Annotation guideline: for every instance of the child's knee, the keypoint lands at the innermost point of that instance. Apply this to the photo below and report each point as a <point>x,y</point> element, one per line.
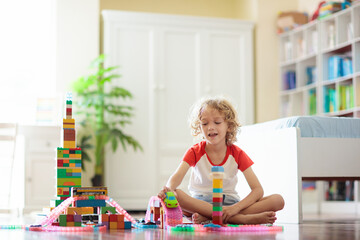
<point>278,202</point>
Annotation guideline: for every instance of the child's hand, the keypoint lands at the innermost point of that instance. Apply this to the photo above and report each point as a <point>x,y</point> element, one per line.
<point>228,212</point>
<point>161,194</point>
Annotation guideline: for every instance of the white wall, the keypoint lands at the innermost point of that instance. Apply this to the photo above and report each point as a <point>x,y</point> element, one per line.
<point>77,39</point>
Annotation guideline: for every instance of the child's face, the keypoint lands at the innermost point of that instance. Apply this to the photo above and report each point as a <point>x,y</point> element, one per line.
<point>213,126</point>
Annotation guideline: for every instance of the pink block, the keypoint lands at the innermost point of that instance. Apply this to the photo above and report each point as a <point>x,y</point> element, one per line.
<point>217,213</point>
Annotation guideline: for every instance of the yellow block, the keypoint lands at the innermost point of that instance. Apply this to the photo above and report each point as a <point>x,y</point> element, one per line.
<point>217,183</point>
<point>72,126</point>
<point>77,170</point>
<point>70,224</point>
<point>72,165</point>
<point>68,121</point>
<point>69,144</point>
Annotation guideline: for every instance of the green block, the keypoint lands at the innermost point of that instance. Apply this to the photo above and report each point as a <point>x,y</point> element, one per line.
<point>61,173</point>
<point>66,155</point>
<point>65,164</point>
<point>76,181</point>
<point>91,197</point>
<point>77,224</point>
<point>217,209</point>
<point>77,151</point>
<point>104,210</point>
<point>62,220</point>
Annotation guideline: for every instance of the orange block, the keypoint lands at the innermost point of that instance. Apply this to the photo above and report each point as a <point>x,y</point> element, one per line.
<point>121,225</point>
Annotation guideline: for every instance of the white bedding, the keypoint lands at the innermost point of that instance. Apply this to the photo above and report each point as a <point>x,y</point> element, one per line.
<point>313,126</point>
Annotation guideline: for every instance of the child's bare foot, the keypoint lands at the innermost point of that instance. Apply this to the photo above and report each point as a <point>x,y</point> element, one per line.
<point>198,219</point>
<point>260,218</point>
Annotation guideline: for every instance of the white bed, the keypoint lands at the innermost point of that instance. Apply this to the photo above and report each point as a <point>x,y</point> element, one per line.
<point>289,150</point>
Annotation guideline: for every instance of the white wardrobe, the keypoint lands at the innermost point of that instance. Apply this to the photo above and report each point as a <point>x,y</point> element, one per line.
<point>168,62</point>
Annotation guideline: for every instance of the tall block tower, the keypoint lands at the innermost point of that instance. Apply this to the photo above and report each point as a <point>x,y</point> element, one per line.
<point>217,173</point>
<point>68,156</point>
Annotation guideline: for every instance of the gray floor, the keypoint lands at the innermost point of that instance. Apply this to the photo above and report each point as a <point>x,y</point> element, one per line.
<point>315,227</point>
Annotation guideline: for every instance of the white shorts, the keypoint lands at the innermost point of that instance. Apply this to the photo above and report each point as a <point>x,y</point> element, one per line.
<point>227,199</point>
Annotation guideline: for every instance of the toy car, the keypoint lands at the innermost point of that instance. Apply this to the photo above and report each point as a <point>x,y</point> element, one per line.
<point>170,200</point>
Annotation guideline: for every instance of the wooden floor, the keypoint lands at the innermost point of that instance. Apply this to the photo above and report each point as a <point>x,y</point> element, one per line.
<point>320,228</point>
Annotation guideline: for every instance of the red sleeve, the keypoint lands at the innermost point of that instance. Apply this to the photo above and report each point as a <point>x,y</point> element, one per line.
<point>190,157</point>
<point>242,159</point>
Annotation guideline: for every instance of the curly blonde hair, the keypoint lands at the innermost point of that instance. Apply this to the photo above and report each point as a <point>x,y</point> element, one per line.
<point>224,107</point>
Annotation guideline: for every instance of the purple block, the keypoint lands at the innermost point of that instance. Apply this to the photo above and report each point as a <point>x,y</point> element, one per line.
<point>77,218</point>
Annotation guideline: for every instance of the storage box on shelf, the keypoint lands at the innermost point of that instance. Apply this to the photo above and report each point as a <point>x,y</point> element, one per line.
<point>320,75</point>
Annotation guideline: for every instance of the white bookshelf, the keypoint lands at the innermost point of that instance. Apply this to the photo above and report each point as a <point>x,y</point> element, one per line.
<point>312,45</point>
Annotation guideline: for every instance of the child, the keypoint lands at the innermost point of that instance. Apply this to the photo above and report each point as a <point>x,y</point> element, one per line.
<point>215,120</point>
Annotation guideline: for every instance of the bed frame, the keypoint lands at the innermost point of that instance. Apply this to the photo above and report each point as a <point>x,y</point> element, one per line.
<point>283,159</point>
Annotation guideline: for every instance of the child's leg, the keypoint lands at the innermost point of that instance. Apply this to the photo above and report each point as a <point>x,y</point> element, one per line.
<point>273,203</point>
<point>262,211</point>
<point>193,205</point>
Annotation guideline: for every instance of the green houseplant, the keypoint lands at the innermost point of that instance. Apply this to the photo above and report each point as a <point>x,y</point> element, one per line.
<point>99,101</point>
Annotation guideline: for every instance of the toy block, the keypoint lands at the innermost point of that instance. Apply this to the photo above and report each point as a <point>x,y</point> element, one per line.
<point>104,218</point>
<point>77,218</point>
<point>62,220</point>
<point>80,210</point>
<point>69,121</point>
<point>217,199</point>
<point>69,218</point>
<point>77,224</point>
<point>113,218</point>
<point>120,218</point>
<point>113,225</point>
<point>217,190</point>
<point>69,144</point>
<point>107,210</point>
<point>70,224</point>
<point>90,203</point>
<point>73,182</point>
<point>69,135</point>
<point>217,183</point>
<point>120,225</point>
<point>127,225</point>
<point>217,195</point>
<point>55,224</point>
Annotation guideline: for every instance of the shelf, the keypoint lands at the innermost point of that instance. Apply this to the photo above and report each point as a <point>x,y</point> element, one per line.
<point>322,52</point>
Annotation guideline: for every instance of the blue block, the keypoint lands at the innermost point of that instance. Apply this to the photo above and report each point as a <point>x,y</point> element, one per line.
<point>127,225</point>
<point>90,203</point>
<point>217,190</point>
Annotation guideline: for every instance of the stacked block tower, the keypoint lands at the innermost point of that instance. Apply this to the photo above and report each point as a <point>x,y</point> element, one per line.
<point>68,157</point>
<point>217,173</point>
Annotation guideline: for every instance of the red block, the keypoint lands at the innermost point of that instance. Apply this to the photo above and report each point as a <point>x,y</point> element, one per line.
<point>113,218</point>
<point>217,199</point>
<point>217,220</point>
<point>69,218</point>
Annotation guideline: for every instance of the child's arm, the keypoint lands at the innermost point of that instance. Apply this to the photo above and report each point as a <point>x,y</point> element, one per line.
<point>255,195</point>
<point>175,179</point>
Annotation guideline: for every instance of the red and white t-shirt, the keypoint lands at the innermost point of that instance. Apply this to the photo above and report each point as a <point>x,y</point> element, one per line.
<point>200,180</point>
